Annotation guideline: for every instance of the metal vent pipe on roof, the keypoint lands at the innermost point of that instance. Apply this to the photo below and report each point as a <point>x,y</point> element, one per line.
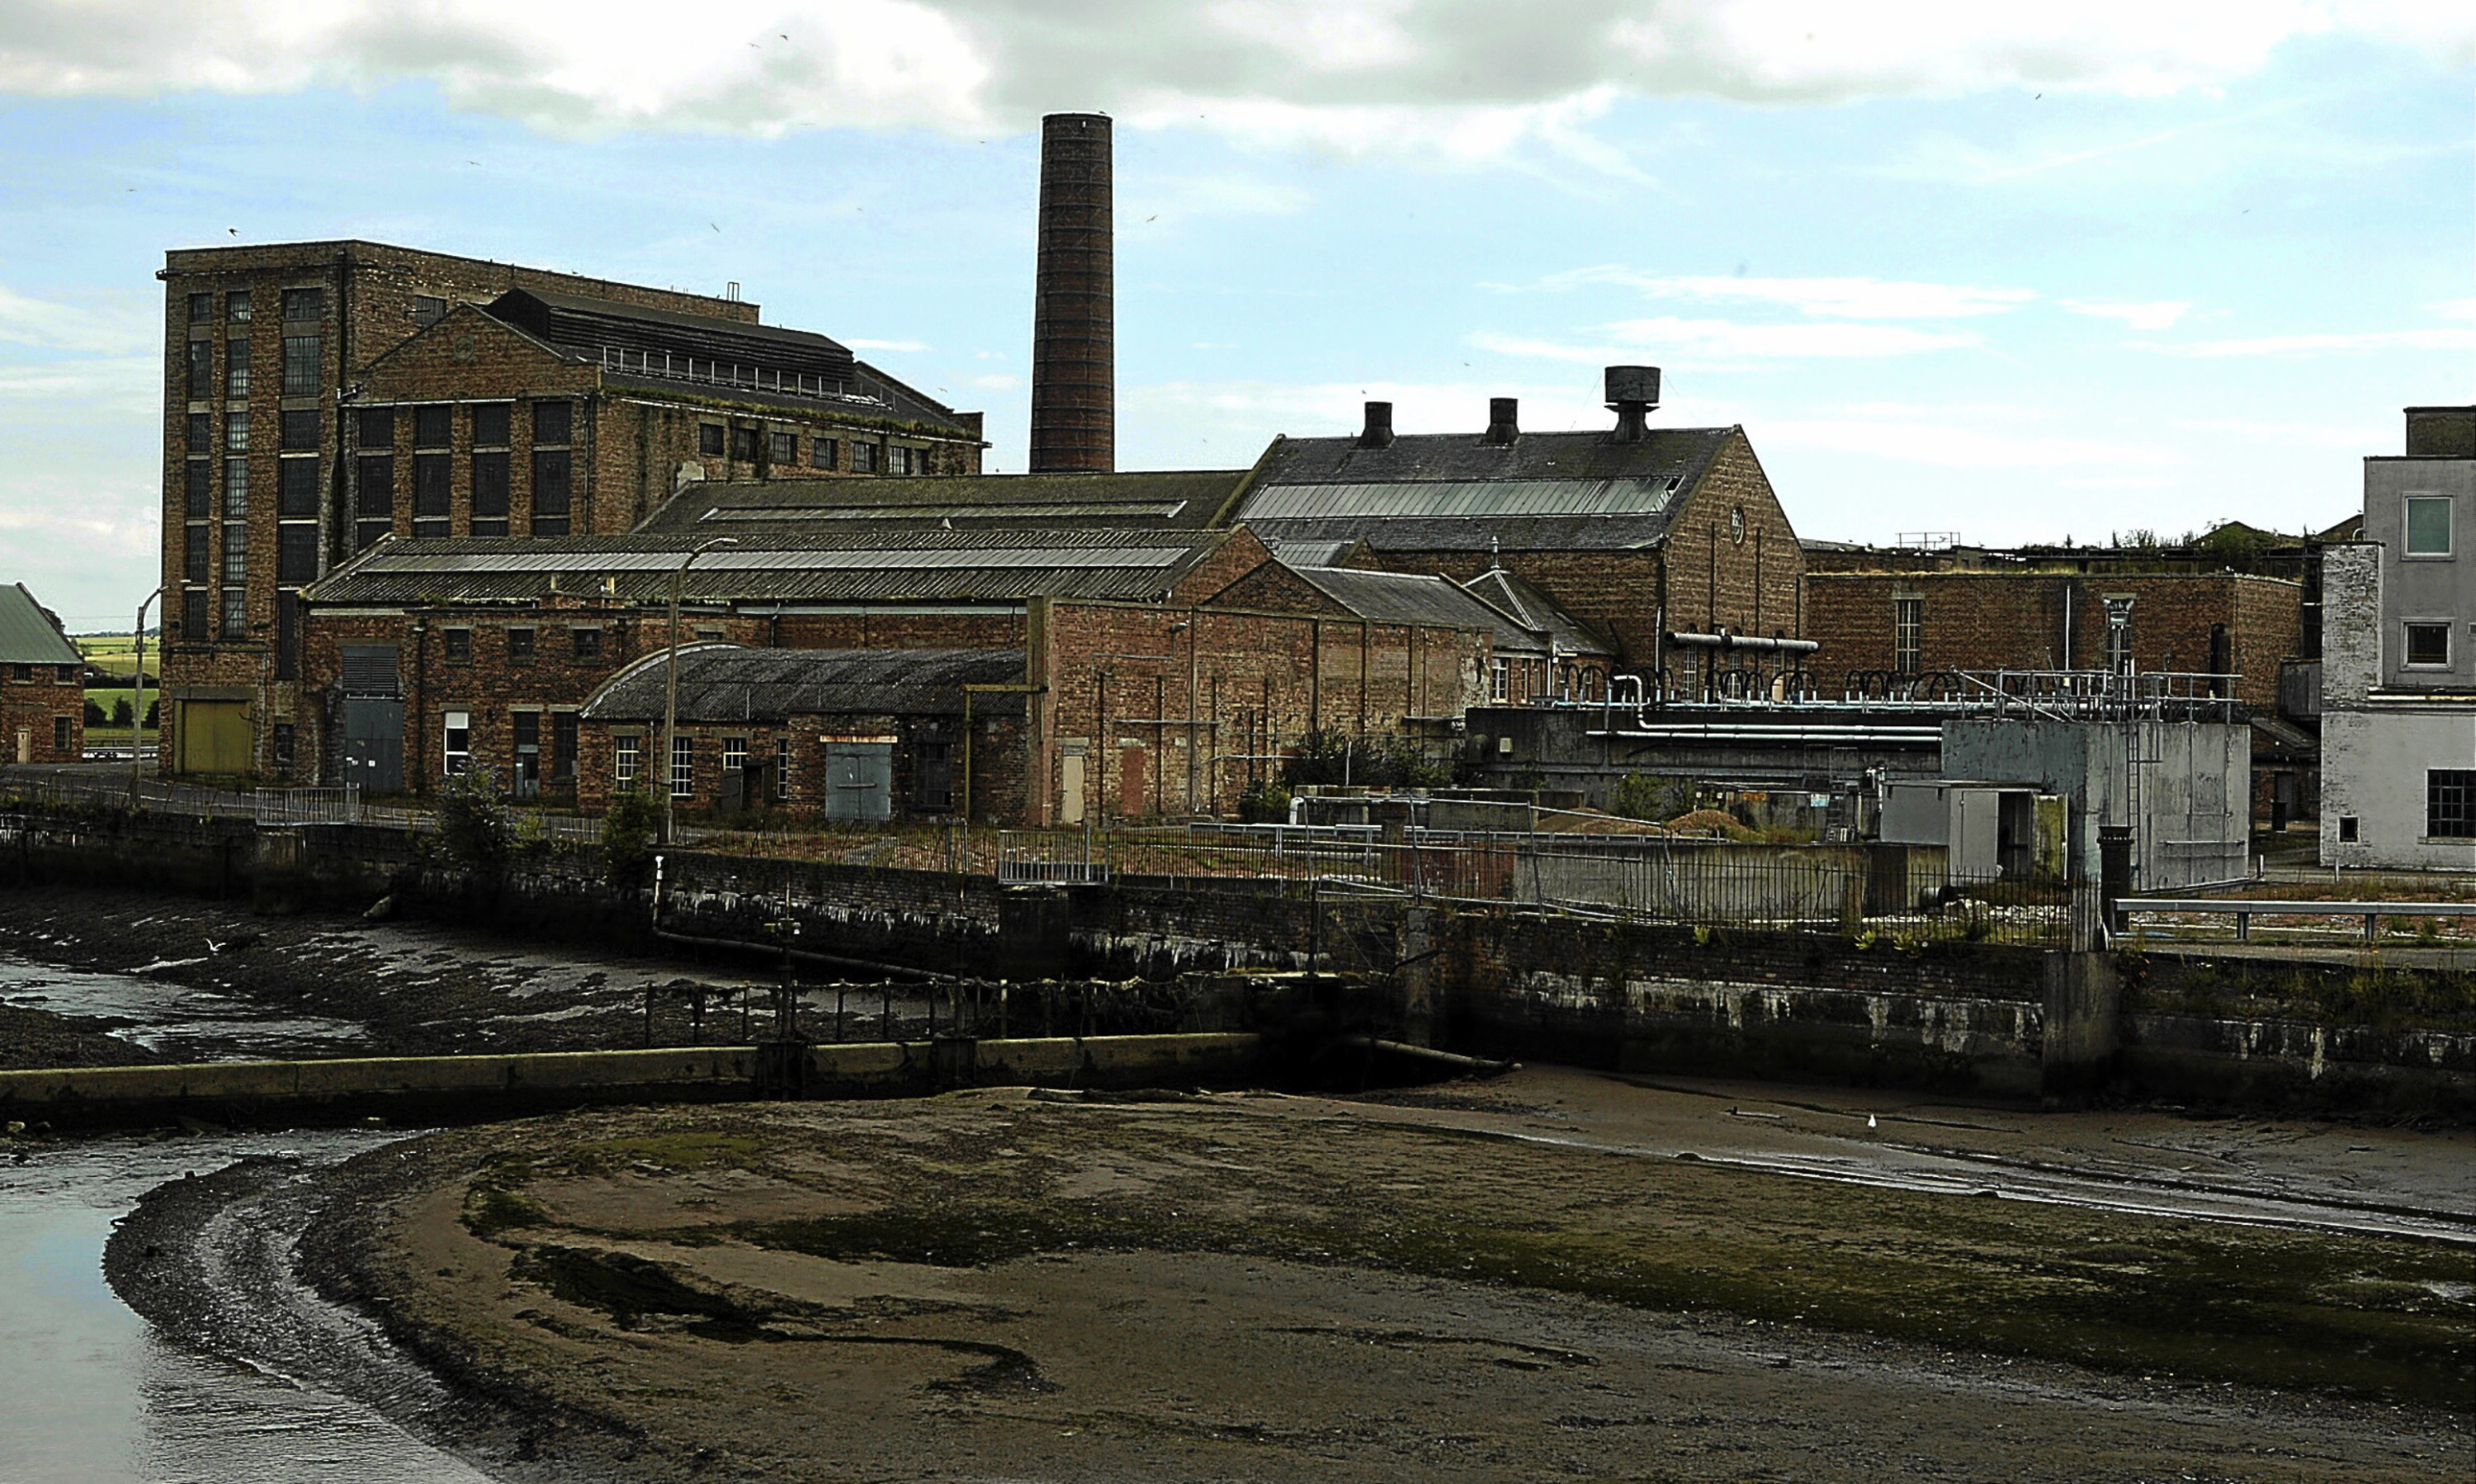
<point>1073,355</point>
<point>1632,391</point>
<point>1378,432</point>
<point>1503,419</point>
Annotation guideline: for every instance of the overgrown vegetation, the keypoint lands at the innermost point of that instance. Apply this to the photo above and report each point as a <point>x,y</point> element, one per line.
<point>629,829</point>
<point>1339,758</point>
<point>1649,796</point>
<point>474,827</point>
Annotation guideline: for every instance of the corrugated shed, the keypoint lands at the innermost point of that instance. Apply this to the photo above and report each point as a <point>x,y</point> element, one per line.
<point>721,683</point>
<point>1410,598</point>
<point>28,635</point>
<point>1465,458</point>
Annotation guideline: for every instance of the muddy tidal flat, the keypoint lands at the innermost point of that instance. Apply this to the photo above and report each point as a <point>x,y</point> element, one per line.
<point>1462,1283</point>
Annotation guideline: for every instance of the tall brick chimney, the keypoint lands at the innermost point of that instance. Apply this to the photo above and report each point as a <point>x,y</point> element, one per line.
<point>1074,336</point>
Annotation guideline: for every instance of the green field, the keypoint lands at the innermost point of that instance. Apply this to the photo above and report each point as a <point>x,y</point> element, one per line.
<point>115,654</point>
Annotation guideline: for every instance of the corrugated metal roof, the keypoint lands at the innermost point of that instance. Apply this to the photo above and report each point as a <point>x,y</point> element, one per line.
<point>1186,499</point>
<point>1412,598</point>
<point>1463,499</point>
<point>725,684</point>
<point>28,633</point>
<point>866,558</point>
<point>1471,533</point>
<point>1659,454</point>
<point>929,566</point>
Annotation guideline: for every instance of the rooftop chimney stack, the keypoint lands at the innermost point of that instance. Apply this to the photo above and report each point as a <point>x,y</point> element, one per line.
<point>1632,392</point>
<point>1073,355</point>
<point>1378,432</point>
<point>1503,419</point>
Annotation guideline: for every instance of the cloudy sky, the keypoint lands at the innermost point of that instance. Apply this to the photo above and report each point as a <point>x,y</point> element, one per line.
<point>2015,272</point>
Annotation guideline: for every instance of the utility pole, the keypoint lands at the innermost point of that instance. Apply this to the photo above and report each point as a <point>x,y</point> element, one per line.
<point>137,699</point>
<point>671,679</point>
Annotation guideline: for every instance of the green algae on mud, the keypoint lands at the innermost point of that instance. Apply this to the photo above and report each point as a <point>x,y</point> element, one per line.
<point>958,1183</point>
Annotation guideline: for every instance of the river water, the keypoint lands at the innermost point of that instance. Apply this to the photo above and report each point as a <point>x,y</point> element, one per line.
<point>89,1392</point>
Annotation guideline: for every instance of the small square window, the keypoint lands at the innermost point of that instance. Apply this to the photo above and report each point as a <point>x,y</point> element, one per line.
<point>553,421</point>
<point>373,429</point>
<point>236,305</point>
<point>2349,829</point>
<point>302,430</point>
<point>900,460</point>
<point>202,432</point>
<point>2427,526</point>
<point>492,421</point>
<point>823,451</point>
<point>305,303</point>
<point>460,646</point>
<point>433,427</point>
<point>586,643</point>
<point>2428,645</point>
<point>863,458</point>
<point>709,439</point>
<point>201,308</point>
<point>428,309</point>
<point>743,443</point>
<point>786,448</point>
<point>520,646</point>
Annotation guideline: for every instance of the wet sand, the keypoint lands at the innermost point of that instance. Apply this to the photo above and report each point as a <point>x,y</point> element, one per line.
<point>1506,1280</point>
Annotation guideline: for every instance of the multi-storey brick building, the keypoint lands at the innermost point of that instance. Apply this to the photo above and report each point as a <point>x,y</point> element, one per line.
<point>43,684</point>
<point>320,395</point>
<point>1637,532</point>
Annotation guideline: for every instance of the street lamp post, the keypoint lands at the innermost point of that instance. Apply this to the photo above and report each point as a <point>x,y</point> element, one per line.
<point>671,679</point>
<point>137,699</point>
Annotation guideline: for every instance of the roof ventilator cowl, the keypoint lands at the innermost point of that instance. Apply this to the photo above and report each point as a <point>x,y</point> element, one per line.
<point>1378,432</point>
<point>1632,391</point>
<point>1504,420</point>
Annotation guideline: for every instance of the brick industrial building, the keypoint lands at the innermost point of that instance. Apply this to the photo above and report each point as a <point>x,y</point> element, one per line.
<point>1638,532</point>
<point>1160,661</point>
<point>1894,615</point>
<point>321,395</point>
<point>43,684</point>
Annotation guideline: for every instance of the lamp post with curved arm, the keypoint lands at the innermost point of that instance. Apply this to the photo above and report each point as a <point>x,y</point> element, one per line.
<point>671,681</point>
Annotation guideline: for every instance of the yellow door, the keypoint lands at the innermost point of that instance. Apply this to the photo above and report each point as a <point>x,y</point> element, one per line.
<point>213,736</point>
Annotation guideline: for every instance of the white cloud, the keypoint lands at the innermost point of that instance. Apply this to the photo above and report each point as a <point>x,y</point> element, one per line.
<point>1961,437</point>
<point>1674,342</point>
<point>995,382</point>
<point>107,323</point>
<point>1441,80</point>
<point>2343,342</point>
<point>2154,315</point>
<point>859,344</point>
<point>1838,298</point>
<point>2455,309</point>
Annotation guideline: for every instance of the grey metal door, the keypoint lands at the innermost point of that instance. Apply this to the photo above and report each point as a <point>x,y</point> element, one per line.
<point>374,744</point>
<point>859,780</point>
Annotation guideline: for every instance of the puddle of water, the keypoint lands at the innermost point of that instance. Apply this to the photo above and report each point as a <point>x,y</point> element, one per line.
<point>95,1396</point>
<point>177,1019</point>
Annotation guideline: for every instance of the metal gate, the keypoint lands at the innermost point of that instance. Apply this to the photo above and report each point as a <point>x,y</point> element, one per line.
<point>859,780</point>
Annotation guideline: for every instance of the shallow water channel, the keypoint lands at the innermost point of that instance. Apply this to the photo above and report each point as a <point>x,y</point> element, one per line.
<point>88,1391</point>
